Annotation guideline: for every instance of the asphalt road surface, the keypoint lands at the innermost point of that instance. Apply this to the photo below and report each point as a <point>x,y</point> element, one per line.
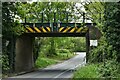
<point>57,71</point>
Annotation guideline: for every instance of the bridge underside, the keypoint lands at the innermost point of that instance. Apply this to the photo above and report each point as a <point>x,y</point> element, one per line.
<point>56,34</point>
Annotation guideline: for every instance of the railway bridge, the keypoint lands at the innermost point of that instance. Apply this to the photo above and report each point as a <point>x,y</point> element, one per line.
<point>24,44</point>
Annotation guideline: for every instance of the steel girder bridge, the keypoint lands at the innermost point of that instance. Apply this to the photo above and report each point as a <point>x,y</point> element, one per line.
<point>24,44</point>
<point>57,27</point>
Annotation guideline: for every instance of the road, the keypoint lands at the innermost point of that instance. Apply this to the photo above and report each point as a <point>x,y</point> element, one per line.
<point>60,70</point>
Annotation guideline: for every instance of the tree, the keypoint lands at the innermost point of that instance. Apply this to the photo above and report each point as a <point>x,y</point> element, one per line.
<point>32,11</point>
<point>109,46</point>
<point>10,30</point>
<point>112,26</point>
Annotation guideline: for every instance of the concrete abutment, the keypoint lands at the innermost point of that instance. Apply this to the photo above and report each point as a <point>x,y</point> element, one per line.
<point>24,53</point>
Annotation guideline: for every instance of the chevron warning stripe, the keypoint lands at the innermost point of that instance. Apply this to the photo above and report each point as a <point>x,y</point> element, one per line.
<point>79,29</point>
<point>73,29</point>
<point>66,29</point>
<point>61,29</point>
<point>84,30</point>
<point>29,29</point>
<point>48,28</point>
<point>37,29</point>
<point>44,30</point>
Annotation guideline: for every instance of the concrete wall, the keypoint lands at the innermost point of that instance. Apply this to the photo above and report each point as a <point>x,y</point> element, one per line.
<point>24,53</point>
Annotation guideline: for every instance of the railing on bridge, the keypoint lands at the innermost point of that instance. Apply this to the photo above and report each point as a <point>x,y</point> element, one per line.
<point>57,27</point>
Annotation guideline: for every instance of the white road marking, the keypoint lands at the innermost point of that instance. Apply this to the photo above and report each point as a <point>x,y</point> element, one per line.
<point>61,74</point>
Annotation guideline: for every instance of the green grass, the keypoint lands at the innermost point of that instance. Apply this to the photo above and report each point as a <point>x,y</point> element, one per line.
<point>44,61</point>
<point>88,71</point>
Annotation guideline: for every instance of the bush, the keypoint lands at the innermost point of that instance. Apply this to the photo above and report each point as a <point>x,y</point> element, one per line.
<point>96,54</point>
<point>88,71</point>
<point>5,63</point>
<point>109,69</point>
<point>63,51</point>
<point>44,62</point>
<point>102,51</point>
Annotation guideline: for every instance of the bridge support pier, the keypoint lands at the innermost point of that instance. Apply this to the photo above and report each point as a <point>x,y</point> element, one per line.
<point>87,45</point>
<point>24,53</point>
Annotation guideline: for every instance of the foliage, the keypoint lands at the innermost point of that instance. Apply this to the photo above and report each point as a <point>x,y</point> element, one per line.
<point>68,44</point>
<point>108,49</point>
<point>63,51</point>
<point>5,63</point>
<point>95,12</point>
<point>10,30</point>
<point>102,51</point>
<point>79,44</point>
<point>111,29</point>
<point>88,71</point>
<point>44,62</point>
<point>32,11</point>
<point>10,23</point>
<point>63,56</point>
<point>52,49</point>
<point>109,69</point>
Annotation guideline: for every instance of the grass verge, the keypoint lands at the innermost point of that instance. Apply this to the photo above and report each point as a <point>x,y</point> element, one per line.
<point>88,71</point>
<point>43,62</point>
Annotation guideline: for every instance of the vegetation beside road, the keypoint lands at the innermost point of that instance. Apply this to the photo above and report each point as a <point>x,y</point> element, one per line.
<point>44,61</point>
<point>107,53</point>
<point>94,71</point>
<point>87,71</point>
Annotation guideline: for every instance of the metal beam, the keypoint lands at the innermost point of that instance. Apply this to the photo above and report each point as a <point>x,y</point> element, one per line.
<point>56,34</point>
<point>61,24</point>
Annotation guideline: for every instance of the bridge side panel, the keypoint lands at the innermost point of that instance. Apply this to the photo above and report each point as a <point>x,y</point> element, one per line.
<point>24,53</point>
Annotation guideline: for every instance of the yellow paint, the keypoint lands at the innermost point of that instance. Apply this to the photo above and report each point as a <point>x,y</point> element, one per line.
<point>79,30</point>
<point>61,29</point>
<point>37,29</point>
<point>44,30</point>
<point>26,31</point>
<point>30,29</point>
<point>66,29</point>
<point>72,30</point>
<point>48,28</point>
<point>85,30</point>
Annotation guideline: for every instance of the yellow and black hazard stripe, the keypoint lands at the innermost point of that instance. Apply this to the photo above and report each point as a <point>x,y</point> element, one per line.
<point>82,30</point>
<point>73,29</point>
<point>78,30</point>
<point>85,30</point>
<point>67,29</point>
<point>37,29</point>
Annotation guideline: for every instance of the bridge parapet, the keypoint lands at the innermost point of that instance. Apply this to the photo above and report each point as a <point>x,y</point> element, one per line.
<point>58,28</point>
